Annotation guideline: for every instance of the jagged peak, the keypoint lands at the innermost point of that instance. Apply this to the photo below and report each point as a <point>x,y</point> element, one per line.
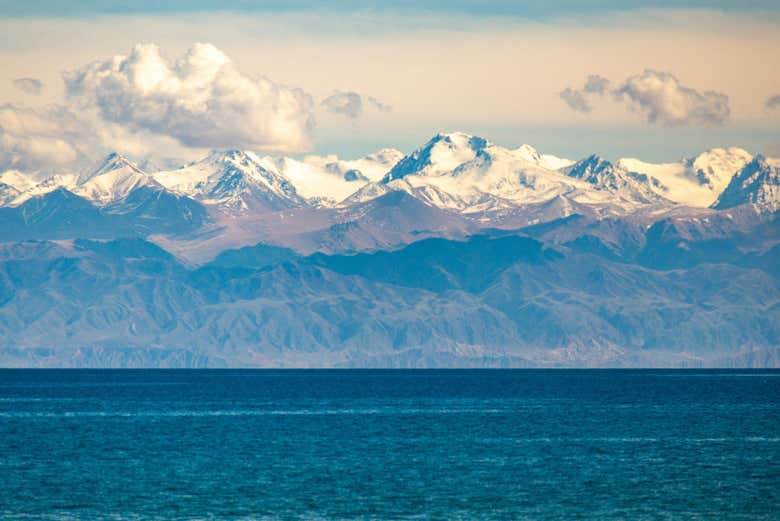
<point>460,139</point>
<point>758,164</point>
<point>444,151</point>
<point>112,162</point>
<point>761,160</point>
<point>590,164</point>
<point>115,161</point>
<point>115,179</point>
<point>231,155</point>
<point>757,183</point>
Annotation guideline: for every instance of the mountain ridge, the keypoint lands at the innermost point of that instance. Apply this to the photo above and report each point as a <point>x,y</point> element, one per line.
<point>273,183</point>
<point>129,303</point>
<point>233,198</point>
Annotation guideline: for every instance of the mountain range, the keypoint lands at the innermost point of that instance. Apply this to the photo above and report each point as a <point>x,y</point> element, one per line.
<point>460,253</point>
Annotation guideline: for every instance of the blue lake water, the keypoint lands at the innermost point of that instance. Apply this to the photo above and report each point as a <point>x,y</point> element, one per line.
<point>515,444</point>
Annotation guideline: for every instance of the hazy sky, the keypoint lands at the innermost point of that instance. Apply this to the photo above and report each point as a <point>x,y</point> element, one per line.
<point>568,77</point>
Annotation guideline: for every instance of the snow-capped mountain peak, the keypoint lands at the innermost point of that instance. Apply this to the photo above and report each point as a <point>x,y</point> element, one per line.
<point>590,168</point>
<point>528,153</point>
<point>114,179</point>
<point>17,180</point>
<point>695,181</point>
<point>468,174</point>
<point>454,171</point>
<point>547,161</point>
<point>111,163</point>
<point>604,175</point>
<point>12,185</point>
<point>758,183</point>
<point>716,167</point>
<point>441,154</point>
<point>233,180</point>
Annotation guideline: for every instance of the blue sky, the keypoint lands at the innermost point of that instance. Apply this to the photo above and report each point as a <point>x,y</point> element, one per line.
<point>525,9</point>
<point>677,76</point>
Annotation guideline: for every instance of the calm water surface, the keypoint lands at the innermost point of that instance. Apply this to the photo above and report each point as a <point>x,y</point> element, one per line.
<point>389,444</point>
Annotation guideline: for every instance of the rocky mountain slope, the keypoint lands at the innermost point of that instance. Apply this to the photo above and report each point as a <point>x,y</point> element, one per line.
<point>508,300</point>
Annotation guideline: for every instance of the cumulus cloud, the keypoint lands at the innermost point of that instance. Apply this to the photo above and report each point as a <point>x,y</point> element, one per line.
<point>575,100</point>
<point>659,95</point>
<point>665,100</point>
<point>29,85</point>
<point>201,100</point>
<point>596,84</point>
<point>773,102</point>
<point>55,140</point>
<point>51,139</point>
<point>349,104</point>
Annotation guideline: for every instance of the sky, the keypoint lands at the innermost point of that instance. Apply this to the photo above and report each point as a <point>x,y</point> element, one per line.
<point>167,81</point>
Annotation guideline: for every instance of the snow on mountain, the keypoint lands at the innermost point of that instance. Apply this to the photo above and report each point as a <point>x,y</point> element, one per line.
<point>696,181</point>
<point>317,181</point>
<point>547,161</point>
<point>445,153</point>
<point>371,167</point>
<point>17,180</point>
<point>367,193</point>
<point>56,182</point>
<point>12,184</point>
<point>17,187</point>
<point>113,180</point>
<point>441,155</point>
<point>758,183</point>
<point>471,175</point>
<point>311,182</point>
<point>8,193</point>
<point>454,171</point>
<point>603,175</point>
<point>234,180</point>
<point>240,179</point>
<point>554,162</point>
<point>494,178</point>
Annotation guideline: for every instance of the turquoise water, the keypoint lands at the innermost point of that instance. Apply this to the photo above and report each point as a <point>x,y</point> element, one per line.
<point>389,444</point>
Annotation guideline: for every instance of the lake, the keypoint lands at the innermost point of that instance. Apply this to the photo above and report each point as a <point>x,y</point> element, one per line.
<point>366,444</point>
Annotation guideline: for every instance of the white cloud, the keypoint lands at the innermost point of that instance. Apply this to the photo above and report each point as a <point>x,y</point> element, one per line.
<point>349,104</point>
<point>663,99</point>
<point>659,95</point>
<point>29,85</point>
<point>54,140</point>
<point>201,100</point>
<point>49,140</point>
